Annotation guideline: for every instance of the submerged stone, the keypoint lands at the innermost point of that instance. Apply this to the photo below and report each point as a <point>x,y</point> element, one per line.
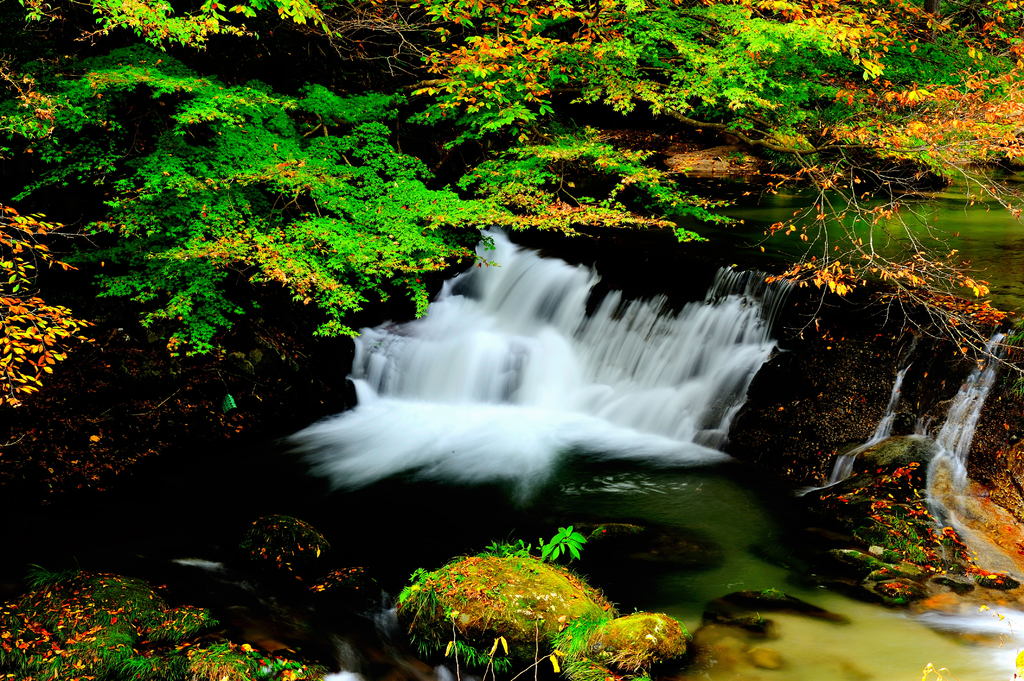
<point>749,621</point>
<point>741,603</point>
<point>615,541</point>
<point>765,658</point>
<point>955,585</point>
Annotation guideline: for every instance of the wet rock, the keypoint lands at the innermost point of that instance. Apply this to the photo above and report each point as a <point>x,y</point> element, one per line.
<point>858,563</point>
<point>766,600</point>
<point>765,658</point>
<point>996,581</point>
<point>614,541</point>
<point>957,586</point>
<point>748,621</point>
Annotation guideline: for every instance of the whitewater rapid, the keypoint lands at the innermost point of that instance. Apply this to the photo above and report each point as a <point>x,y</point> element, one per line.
<point>508,373</point>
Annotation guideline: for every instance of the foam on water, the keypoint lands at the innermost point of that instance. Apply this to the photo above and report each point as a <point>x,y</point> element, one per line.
<point>508,373</point>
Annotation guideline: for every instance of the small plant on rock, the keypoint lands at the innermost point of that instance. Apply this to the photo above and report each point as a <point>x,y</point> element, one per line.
<point>566,540</point>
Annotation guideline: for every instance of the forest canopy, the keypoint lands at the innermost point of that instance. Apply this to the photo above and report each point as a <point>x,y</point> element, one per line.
<point>209,154</point>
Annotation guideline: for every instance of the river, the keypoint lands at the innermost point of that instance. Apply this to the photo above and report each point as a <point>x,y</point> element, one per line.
<point>531,397</point>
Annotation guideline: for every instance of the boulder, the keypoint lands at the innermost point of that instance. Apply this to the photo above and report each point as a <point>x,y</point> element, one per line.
<point>504,610</point>
<point>482,599</point>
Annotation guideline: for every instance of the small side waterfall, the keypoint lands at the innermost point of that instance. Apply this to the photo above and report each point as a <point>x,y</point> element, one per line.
<point>953,441</point>
<point>843,467</point>
<point>508,372</point>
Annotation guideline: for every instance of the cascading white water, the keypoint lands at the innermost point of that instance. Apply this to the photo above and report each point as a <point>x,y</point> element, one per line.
<point>947,472</point>
<point>508,372</point>
<point>953,441</point>
<point>843,467</point>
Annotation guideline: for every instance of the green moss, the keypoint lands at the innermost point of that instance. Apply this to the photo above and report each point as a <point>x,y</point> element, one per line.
<point>637,642</point>
<point>114,628</point>
<point>885,507</point>
<point>478,599</point>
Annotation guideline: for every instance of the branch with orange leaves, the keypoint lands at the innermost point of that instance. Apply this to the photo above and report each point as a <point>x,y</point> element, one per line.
<point>34,336</point>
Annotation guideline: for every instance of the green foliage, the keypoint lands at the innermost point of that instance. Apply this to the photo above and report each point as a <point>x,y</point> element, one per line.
<point>546,186</point>
<point>38,576</point>
<point>518,548</point>
<point>161,24</point>
<point>566,540</point>
<point>219,189</point>
<point>474,657</point>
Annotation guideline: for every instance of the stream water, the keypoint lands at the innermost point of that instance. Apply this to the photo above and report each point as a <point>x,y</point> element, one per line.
<point>976,228</point>
<point>509,373</point>
<point>527,399</point>
<point>615,415</point>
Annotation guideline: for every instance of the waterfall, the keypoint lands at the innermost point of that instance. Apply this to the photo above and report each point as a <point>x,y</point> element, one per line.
<point>508,372</point>
<point>947,472</point>
<point>843,467</point>
<point>953,441</point>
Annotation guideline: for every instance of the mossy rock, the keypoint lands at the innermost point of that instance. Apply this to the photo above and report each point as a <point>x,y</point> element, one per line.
<point>998,582</point>
<point>352,587</point>
<point>896,592</point>
<point>284,543</point>
<point>856,562</point>
<point>636,643</point>
<point>898,451</point>
<point>897,570</point>
<point>486,597</point>
<point>107,626</point>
